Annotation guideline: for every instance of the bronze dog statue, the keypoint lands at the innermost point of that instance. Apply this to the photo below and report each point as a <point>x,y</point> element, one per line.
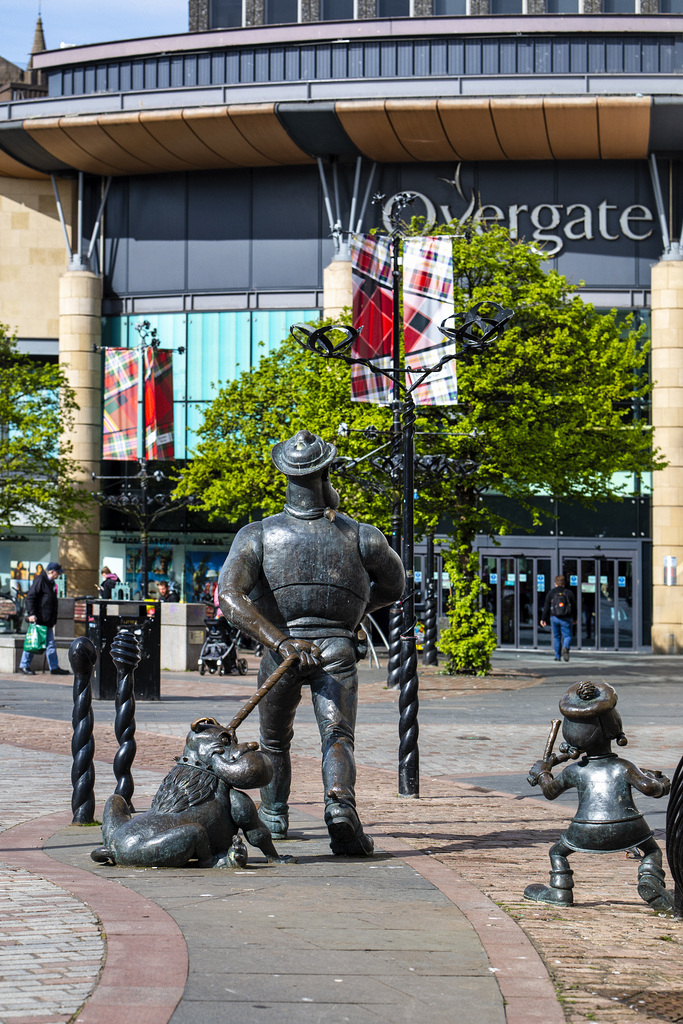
<point>197,812</point>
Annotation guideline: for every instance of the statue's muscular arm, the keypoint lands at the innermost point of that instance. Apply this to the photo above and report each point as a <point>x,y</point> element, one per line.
<point>383,566</point>
<point>237,579</point>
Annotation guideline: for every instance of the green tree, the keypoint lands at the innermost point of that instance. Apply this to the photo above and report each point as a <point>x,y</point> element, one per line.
<point>548,411</point>
<point>36,407</point>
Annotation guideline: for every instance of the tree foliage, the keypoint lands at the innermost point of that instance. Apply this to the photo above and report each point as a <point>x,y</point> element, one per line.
<point>548,410</point>
<point>469,640</point>
<point>36,407</point>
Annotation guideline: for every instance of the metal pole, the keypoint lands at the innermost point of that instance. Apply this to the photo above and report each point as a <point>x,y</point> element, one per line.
<point>429,653</point>
<point>144,531</point>
<point>60,212</point>
<point>408,702</point>
<point>98,220</point>
<point>659,200</point>
<point>396,611</point>
<point>79,228</point>
<point>142,460</point>
<point>354,198</point>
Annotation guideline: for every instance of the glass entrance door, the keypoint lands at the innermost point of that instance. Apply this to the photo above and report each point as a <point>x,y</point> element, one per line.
<point>603,588</point>
<point>517,585</point>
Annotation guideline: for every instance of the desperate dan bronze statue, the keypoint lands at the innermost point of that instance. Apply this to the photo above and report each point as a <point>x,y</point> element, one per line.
<point>607,819</point>
<point>300,583</point>
<point>197,812</point>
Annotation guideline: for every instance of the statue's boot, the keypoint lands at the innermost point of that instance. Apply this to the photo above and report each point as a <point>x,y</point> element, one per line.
<point>548,894</point>
<point>277,824</point>
<point>652,889</point>
<point>559,891</point>
<point>347,838</point>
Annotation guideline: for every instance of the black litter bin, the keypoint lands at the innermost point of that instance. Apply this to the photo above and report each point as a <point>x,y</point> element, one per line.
<point>104,620</point>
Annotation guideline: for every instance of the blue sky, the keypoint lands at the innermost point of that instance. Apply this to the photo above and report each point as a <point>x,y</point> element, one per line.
<point>85,21</point>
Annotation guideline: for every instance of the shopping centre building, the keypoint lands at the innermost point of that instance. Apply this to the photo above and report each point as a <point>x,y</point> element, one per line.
<point>208,182</point>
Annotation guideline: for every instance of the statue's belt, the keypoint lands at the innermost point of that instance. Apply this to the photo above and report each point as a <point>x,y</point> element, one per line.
<point>319,632</point>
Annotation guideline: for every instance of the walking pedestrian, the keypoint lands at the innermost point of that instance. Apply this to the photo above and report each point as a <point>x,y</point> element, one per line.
<point>41,607</point>
<point>560,607</point>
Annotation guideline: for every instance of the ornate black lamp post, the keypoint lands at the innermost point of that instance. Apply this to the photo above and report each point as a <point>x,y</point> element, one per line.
<point>471,334</point>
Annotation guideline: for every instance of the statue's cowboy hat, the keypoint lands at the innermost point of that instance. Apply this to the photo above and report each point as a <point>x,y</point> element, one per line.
<point>303,454</point>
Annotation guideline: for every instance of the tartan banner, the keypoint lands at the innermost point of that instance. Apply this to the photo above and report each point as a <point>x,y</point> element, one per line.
<point>159,403</point>
<point>119,434</point>
<point>120,403</point>
<point>427,301</point>
<point>372,307</point>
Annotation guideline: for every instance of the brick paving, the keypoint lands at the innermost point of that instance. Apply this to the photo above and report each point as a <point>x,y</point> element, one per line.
<point>610,958</point>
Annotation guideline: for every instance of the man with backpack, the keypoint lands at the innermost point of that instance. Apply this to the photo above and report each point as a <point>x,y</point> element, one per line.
<point>560,606</point>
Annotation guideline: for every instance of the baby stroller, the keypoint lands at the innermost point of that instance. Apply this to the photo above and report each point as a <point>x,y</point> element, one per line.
<point>219,651</point>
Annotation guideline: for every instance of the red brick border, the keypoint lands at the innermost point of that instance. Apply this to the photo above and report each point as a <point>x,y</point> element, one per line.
<point>146,964</point>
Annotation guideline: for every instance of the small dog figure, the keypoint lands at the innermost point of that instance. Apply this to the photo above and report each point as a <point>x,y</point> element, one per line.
<point>197,811</point>
<point>607,819</point>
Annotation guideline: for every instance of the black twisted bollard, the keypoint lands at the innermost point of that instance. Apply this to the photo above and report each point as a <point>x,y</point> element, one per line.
<point>429,652</point>
<point>674,838</point>
<point>125,654</point>
<point>395,630</point>
<point>408,731</point>
<point>82,658</point>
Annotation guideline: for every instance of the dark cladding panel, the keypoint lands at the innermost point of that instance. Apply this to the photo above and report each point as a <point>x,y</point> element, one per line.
<point>116,239</point>
<point>286,229</point>
<point>156,260</point>
<point>219,230</point>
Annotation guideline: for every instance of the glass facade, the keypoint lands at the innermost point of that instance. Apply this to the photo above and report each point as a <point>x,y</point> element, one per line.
<point>219,346</point>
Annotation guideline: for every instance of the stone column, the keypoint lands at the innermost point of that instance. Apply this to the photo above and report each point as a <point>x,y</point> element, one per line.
<point>667,486</point>
<point>336,287</point>
<point>80,327</point>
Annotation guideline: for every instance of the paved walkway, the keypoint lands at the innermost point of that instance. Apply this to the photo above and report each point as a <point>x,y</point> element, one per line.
<point>434,924</point>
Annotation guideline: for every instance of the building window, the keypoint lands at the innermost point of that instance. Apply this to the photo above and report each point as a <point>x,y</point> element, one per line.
<point>393,8</point>
<point>281,12</point>
<point>450,8</point>
<point>619,7</point>
<point>225,14</point>
<point>671,6</point>
<point>562,6</point>
<point>506,7</point>
<point>336,10</point>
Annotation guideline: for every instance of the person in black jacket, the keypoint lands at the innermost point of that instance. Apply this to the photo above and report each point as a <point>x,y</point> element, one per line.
<point>41,606</point>
<point>560,607</point>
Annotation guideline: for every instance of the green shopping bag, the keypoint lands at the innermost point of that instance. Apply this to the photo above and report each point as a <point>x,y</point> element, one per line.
<point>36,638</point>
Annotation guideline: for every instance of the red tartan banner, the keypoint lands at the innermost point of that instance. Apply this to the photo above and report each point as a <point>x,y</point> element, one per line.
<point>119,436</point>
<point>372,308</point>
<point>427,301</point>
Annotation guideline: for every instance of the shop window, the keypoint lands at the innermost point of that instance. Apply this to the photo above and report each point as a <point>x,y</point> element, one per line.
<point>450,8</point>
<point>506,6</point>
<point>393,8</point>
<point>225,14</point>
<point>671,6</point>
<point>336,10</point>
<point>281,12</point>
<point>619,6</point>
